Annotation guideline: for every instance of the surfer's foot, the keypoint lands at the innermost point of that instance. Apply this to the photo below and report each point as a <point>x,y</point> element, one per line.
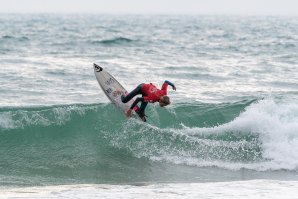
<point>141,115</point>
<point>144,119</point>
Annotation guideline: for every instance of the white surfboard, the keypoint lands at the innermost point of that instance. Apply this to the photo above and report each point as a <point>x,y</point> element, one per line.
<point>112,88</point>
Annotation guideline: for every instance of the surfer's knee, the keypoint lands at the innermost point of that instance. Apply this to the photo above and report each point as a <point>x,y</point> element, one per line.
<point>123,99</point>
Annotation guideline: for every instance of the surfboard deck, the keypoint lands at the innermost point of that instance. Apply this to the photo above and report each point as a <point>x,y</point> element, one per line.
<point>112,89</point>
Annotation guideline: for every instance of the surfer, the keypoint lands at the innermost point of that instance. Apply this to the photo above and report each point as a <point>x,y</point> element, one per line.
<point>150,94</point>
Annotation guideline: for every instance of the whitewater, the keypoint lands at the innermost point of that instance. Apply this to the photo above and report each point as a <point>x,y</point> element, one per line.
<point>230,132</point>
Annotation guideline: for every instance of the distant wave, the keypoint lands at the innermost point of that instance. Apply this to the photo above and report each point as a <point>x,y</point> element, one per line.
<point>8,37</point>
<point>114,41</point>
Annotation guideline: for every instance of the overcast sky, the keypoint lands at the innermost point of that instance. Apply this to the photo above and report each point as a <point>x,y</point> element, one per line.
<point>245,7</point>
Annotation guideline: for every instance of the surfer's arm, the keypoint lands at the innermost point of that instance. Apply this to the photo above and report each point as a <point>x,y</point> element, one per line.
<point>165,85</point>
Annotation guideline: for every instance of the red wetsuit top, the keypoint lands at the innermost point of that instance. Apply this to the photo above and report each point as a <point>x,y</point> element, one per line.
<point>153,94</point>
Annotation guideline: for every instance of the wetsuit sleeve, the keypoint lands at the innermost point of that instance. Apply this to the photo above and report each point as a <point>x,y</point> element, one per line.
<point>169,83</point>
<point>138,99</point>
<point>165,85</point>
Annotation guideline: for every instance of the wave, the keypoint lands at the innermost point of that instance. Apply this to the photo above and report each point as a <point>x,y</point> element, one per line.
<point>263,137</point>
<point>114,41</point>
<point>199,114</point>
<point>254,134</point>
<point>8,37</point>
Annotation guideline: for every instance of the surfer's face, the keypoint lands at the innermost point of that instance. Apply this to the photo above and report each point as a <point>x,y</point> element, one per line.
<point>164,101</point>
<point>161,103</point>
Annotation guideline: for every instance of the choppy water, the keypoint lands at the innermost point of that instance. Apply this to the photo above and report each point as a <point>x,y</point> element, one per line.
<point>234,115</point>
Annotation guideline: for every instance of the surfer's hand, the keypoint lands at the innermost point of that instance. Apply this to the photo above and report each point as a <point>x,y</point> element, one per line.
<point>129,113</point>
<point>174,88</point>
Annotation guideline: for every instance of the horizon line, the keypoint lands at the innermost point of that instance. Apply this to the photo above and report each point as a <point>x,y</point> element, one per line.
<point>152,14</point>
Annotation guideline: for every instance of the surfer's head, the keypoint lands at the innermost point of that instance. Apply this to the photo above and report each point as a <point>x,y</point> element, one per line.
<point>164,101</point>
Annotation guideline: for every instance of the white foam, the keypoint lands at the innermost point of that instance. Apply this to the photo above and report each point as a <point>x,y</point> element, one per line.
<point>254,189</point>
<point>6,122</point>
<point>274,123</point>
<point>277,125</point>
<point>46,117</point>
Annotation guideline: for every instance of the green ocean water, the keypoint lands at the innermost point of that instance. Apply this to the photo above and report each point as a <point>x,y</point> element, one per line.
<point>83,144</point>
<point>234,115</point>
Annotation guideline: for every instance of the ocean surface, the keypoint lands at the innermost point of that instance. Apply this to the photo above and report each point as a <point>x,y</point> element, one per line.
<point>231,130</point>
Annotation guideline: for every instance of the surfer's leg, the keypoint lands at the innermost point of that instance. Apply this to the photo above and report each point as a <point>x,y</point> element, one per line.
<point>129,96</point>
<point>141,111</point>
<point>142,108</point>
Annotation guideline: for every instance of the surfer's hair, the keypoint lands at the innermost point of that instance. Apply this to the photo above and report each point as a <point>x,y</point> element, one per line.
<point>165,99</point>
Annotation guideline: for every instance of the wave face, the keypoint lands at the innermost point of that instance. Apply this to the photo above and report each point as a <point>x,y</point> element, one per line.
<point>95,143</point>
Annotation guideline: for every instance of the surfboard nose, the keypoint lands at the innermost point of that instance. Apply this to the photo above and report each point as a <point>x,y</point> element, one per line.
<point>97,68</point>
